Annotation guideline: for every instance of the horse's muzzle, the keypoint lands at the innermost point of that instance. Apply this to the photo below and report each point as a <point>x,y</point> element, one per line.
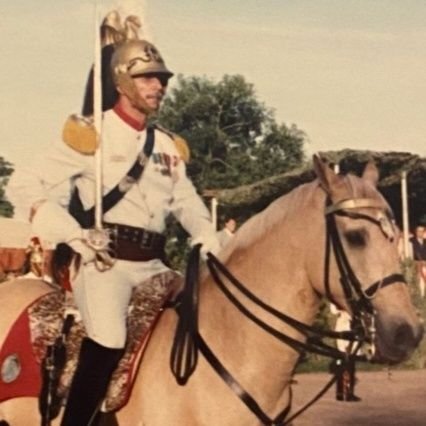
<point>396,339</point>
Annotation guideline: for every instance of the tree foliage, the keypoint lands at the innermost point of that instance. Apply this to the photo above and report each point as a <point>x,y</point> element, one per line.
<point>234,138</point>
<point>6,169</point>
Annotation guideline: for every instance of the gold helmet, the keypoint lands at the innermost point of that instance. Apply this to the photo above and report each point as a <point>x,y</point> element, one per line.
<point>133,58</point>
<point>138,57</point>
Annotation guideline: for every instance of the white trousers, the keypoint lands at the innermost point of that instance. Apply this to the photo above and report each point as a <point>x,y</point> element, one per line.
<point>343,323</point>
<point>103,297</point>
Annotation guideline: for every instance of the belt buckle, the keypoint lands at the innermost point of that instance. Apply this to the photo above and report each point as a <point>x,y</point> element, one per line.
<point>146,241</point>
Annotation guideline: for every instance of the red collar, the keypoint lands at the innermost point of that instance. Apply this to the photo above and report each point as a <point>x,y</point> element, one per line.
<point>135,124</point>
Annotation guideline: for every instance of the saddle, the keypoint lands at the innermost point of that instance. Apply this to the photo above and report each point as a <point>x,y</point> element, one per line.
<point>40,324</point>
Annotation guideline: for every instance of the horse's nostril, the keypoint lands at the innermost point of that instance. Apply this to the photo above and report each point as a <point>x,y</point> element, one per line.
<point>397,341</point>
<point>406,336</point>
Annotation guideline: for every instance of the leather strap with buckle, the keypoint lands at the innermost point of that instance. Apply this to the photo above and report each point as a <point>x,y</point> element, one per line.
<point>135,244</point>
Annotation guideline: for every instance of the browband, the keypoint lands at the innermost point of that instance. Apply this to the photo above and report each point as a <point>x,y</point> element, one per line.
<point>354,203</point>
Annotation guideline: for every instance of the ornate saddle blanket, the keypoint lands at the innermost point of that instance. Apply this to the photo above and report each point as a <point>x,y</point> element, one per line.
<point>40,324</point>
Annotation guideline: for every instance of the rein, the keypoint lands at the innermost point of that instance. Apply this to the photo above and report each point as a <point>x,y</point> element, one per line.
<point>188,341</point>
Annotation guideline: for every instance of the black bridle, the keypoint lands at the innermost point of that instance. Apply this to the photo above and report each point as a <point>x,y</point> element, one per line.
<point>357,298</point>
<point>188,341</point>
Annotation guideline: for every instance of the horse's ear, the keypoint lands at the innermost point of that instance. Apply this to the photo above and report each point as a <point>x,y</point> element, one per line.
<point>371,173</point>
<point>328,179</point>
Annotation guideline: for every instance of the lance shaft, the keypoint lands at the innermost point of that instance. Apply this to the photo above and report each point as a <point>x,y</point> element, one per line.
<point>97,117</point>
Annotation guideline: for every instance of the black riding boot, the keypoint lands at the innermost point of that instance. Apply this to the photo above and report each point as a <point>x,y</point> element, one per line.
<point>339,370</point>
<point>90,383</point>
<point>352,381</point>
<point>345,383</point>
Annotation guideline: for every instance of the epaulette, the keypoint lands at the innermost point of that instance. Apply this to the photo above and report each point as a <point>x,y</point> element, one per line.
<point>180,143</point>
<point>79,133</point>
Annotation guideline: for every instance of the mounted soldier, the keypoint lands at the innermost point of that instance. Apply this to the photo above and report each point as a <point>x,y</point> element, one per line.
<point>144,180</point>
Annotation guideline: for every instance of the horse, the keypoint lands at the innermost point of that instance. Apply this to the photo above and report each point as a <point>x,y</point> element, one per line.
<point>280,255</point>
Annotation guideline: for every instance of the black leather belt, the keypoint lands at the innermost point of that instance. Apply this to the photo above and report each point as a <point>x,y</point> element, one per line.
<point>136,244</point>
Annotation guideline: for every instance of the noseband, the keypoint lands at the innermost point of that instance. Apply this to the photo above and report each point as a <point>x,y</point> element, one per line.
<point>188,340</point>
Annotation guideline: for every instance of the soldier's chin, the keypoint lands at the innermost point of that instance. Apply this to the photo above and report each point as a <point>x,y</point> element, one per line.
<point>155,98</point>
<point>153,104</point>
<point>147,104</point>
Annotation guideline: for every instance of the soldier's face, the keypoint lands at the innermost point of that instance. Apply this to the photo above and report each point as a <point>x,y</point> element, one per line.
<point>151,88</point>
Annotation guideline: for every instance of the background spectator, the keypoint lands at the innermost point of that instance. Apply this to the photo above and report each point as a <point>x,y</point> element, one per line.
<point>418,245</point>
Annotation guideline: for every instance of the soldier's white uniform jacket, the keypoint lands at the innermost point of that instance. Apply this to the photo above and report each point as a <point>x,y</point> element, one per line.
<point>162,189</point>
<point>103,297</point>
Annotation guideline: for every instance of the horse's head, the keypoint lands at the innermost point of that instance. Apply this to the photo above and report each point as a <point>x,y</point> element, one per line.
<point>363,272</point>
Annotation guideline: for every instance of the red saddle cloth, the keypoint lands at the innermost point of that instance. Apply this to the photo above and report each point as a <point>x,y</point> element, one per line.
<point>40,324</point>
<point>20,370</point>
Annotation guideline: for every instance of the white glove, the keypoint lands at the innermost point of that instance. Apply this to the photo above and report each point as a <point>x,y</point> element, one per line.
<point>54,225</point>
<point>80,246</point>
<point>209,245</point>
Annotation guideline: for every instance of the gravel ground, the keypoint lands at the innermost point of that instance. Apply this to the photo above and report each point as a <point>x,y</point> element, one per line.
<point>388,399</point>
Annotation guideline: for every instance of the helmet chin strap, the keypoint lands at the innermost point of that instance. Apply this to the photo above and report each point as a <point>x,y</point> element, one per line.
<point>127,86</point>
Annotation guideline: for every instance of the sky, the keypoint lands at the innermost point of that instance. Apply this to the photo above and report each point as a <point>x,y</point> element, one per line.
<point>349,73</point>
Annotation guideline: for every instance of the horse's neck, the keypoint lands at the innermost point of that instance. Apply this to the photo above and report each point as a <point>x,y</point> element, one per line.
<point>274,270</point>
<point>279,266</point>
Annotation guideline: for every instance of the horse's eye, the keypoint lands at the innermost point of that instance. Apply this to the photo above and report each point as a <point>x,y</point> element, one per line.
<point>356,238</point>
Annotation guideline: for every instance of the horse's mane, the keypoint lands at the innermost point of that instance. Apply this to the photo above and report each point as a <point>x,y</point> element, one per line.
<point>296,201</point>
<point>255,227</point>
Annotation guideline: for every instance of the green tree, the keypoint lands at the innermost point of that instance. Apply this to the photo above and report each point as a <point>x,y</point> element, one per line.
<point>6,169</point>
<point>234,138</point>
